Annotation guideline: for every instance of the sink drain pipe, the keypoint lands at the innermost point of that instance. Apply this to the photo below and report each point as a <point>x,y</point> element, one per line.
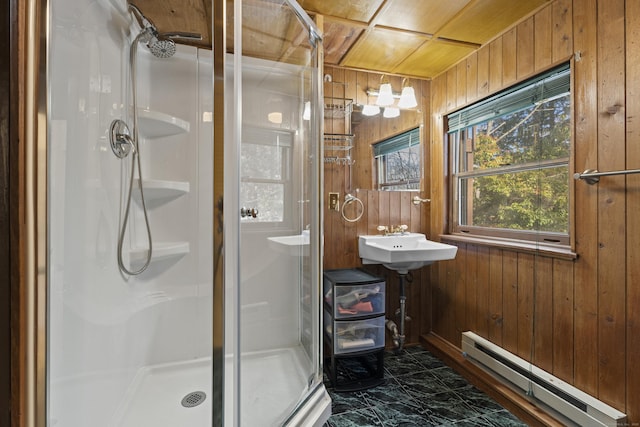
<point>397,334</point>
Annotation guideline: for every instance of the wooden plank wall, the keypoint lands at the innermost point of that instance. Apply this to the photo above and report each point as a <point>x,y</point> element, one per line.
<point>7,211</point>
<point>380,207</point>
<point>577,319</point>
<point>341,250</point>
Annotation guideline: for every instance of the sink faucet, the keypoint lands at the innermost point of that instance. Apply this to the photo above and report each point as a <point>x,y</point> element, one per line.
<point>399,229</point>
<point>395,229</point>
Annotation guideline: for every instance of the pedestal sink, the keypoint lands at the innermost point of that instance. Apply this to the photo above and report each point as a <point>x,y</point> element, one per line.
<point>402,252</point>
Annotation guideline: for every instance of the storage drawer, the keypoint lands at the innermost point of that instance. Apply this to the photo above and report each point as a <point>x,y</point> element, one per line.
<point>355,335</point>
<point>356,301</point>
<point>351,293</point>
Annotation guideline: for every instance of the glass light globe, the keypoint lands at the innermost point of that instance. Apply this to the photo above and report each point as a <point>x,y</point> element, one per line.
<point>408,98</point>
<point>385,96</point>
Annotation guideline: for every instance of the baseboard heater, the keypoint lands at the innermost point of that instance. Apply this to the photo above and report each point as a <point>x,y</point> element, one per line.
<point>573,404</point>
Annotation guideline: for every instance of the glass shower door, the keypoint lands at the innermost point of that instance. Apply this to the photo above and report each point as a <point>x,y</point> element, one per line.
<point>273,342</point>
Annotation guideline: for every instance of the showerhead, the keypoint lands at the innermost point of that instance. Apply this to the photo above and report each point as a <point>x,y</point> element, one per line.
<point>162,47</point>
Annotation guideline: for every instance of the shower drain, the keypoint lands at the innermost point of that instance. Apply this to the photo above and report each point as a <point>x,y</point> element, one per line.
<point>193,399</point>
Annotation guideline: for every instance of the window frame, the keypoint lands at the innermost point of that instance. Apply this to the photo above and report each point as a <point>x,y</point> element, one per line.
<point>524,238</point>
<point>257,135</point>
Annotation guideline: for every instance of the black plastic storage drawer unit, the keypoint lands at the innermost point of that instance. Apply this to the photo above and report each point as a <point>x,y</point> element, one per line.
<point>354,322</point>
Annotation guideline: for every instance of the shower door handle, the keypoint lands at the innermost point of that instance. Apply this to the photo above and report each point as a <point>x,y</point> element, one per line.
<point>248,213</point>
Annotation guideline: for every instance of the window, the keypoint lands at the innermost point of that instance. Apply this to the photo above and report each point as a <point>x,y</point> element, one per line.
<point>510,161</point>
<point>265,173</point>
<point>398,161</point>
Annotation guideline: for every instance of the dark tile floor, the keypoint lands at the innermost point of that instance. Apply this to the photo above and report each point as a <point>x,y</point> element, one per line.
<point>419,390</point>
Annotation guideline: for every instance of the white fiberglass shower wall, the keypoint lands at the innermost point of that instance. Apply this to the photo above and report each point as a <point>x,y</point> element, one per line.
<point>121,346</point>
<point>125,350</point>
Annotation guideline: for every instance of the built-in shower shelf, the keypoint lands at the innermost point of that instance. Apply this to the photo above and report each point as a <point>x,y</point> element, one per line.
<point>162,251</point>
<point>154,124</point>
<point>157,192</point>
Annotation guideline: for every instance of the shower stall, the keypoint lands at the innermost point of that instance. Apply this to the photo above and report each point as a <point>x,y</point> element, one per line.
<point>176,182</point>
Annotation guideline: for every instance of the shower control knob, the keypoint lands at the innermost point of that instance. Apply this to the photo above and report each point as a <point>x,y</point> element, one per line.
<point>120,138</point>
<point>244,212</point>
<point>254,212</point>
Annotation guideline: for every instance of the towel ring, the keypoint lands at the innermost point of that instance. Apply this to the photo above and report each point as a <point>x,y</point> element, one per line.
<point>348,199</point>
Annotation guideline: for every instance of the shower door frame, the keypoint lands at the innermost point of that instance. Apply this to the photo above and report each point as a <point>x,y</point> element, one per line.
<point>28,211</point>
<point>314,398</point>
<point>29,225</point>
<point>219,48</point>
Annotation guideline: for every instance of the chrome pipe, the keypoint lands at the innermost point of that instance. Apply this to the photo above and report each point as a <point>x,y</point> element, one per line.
<point>182,35</point>
<point>142,20</point>
<point>403,312</point>
<point>393,329</point>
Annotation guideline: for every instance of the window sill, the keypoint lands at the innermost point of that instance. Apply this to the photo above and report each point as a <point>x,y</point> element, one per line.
<point>553,251</point>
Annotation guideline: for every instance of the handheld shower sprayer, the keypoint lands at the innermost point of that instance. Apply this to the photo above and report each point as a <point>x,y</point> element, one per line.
<point>124,142</point>
<point>161,45</point>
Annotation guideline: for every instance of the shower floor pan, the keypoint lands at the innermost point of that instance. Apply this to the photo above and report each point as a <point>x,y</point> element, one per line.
<point>272,382</point>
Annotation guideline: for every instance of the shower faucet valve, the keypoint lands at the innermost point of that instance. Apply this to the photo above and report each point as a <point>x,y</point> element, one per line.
<point>120,138</point>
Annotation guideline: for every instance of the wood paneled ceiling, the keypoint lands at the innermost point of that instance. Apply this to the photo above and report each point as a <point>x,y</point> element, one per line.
<point>417,38</point>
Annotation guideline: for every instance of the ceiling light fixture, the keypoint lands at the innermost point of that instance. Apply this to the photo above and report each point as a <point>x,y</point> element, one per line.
<point>408,96</point>
<point>391,112</point>
<point>385,95</point>
<point>370,110</point>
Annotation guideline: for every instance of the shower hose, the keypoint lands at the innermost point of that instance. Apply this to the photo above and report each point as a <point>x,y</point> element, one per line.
<point>135,161</point>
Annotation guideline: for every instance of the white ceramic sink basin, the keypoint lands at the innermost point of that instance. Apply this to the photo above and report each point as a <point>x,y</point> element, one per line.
<point>403,252</point>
